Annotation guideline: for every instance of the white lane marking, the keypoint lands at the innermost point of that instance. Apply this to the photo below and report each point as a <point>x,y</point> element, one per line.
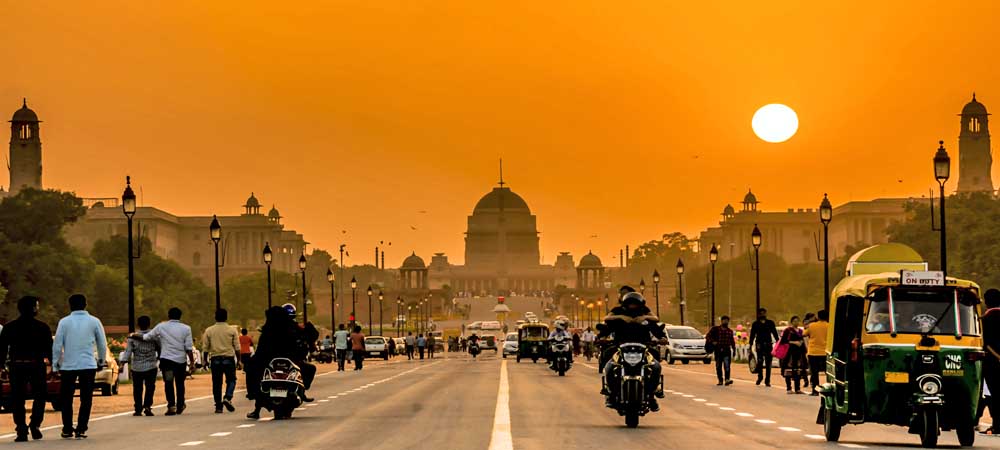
<point>743,414</point>
<point>702,373</point>
<point>789,429</point>
<point>688,396</point>
<point>699,400</point>
<point>711,404</point>
<point>765,421</point>
<point>192,443</point>
<point>246,425</point>
<point>311,405</point>
<point>501,438</point>
<point>300,409</point>
<point>853,446</point>
<point>669,390</point>
<point>815,436</point>
<point>588,365</point>
<point>265,419</point>
<point>677,393</point>
<point>324,401</point>
<point>726,408</point>
<point>221,434</point>
<point>333,396</point>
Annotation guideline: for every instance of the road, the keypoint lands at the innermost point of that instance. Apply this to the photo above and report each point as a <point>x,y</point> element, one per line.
<point>490,403</point>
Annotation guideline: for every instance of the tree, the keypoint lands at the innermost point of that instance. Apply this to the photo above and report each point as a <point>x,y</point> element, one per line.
<point>245,296</point>
<point>36,216</point>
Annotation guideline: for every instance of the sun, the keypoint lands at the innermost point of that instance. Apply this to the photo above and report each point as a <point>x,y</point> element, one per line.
<point>775,123</point>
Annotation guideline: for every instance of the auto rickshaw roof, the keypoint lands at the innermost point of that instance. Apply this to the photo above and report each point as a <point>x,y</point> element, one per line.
<point>533,325</point>
<point>882,258</point>
<point>858,285</point>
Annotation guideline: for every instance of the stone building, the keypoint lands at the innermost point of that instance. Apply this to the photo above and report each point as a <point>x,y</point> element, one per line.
<point>25,158</point>
<point>975,158</point>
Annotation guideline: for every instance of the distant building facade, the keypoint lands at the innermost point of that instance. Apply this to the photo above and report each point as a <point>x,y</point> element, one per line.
<point>975,157</point>
<point>25,158</point>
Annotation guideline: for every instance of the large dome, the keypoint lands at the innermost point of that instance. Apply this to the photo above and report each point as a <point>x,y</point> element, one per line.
<point>494,198</point>
<point>413,262</point>
<point>974,108</point>
<point>24,114</point>
<point>590,260</point>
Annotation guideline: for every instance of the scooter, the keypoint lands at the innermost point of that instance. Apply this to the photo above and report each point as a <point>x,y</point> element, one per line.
<point>282,387</point>
<point>559,355</point>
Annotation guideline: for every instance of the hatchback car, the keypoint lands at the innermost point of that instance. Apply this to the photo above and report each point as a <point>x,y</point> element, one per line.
<point>684,344</point>
<point>510,345</point>
<point>376,346</point>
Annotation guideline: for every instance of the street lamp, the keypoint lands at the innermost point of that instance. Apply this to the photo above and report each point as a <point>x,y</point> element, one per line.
<point>371,329</point>
<point>333,299</point>
<point>380,313</point>
<point>268,258</point>
<point>128,207</point>
<point>942,171</point>
<point>755,239</point>
<point>825,216</point>
<point>305,303</point>
<point>607,305</point>
<point>215,231</point>
<point>680,286</point>
<point>579,320</point>
<point>354,300</point>
<point>642,287</point>
<point>656,291</point>
<point>713,257</point>
<point>399,312</point>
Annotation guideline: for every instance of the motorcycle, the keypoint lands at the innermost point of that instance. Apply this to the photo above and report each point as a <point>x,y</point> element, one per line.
<point>630,372</point>
<point>474,349</point>
<point>559,355</point>
<point>325,356</point>
<point>282,386</point>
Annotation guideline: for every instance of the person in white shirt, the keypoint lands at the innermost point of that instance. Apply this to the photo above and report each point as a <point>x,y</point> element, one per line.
<point>176,355</point>
<point>341,342</point>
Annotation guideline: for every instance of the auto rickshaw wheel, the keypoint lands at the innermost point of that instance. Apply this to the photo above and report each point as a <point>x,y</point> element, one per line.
<point>519,357</point>
<point>929,433</point>
<point>534,360</point>
<point>966,434</point>
<point>831,425</point>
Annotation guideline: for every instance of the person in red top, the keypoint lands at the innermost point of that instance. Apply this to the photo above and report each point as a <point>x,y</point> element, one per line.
<point>721,339</point>
<point>358,347</point>
<point>245,343</point>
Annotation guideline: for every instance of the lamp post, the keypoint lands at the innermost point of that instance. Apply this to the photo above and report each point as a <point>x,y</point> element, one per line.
<point>305,302</point>
<point>420,316</point>
<point>755,239</point>
<point>713,256</point>
<point>333,299</point>
<point>825,216</point>
<point>579,319</point>
<point>399,313</point>
<point>215,231</point>
<point>590,314</point>
<point>128,207</point>
<point>642,287</point>
<point>371,326</point>
<point>680,286</point>
<point>607,305</point>
<point>268,258</point>
<point>942,171</point>
<point>354,301</point>
<point>409,313</point>
<point>656,291</point>
<point>380,313</point>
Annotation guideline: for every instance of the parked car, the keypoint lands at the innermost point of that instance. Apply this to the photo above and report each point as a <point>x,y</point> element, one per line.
<point>684,344</point>
<point>106,379</point>
<point>376,346</point>
<point>510,345</point>
<point>439,343</point>
<point>400,345</point>
<point>52,385</point>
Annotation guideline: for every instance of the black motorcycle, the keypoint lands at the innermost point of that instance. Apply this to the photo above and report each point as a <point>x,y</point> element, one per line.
<point>631,372</point>
<point>474,349</point>
<point>560,355</point>
<point>282,386</point>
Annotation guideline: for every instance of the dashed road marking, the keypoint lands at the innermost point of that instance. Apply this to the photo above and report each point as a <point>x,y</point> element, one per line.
<point>501,438</point>
<point>743,414</point>
<point>765,421</point>
<point>789,429</point>
<point>246,425</point>
<point>688,396</point>
<point>324,401</point>
<point>700,400</point>
<point>711,404</point>
<point>815,436</point>
<point>192,443</point>
<point>853,446</point>
<point>221,434</point>
<point>726,408</point>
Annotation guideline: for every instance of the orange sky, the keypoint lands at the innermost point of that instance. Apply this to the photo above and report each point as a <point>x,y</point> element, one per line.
<point>623,120</point>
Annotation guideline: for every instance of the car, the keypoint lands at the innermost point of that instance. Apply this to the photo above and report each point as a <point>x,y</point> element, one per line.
<point>488,342</point>
<point>510,345</point>
<point>52,386</point>
<point>400,345</point>
<point>438,341</point>
<point>106,379</point>
<point>376,346</point>
<point>684,344</point>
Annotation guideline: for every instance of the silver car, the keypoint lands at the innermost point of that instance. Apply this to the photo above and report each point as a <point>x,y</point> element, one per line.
<point>684,344</point>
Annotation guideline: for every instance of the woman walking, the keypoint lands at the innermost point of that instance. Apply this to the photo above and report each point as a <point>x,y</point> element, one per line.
<point>358,347</point>
<point>793,362</point>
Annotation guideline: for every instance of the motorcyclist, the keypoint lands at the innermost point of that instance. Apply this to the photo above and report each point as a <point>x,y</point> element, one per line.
<point>633,323</point>
<point>603,332</point>
<point>278,339</point>
<point>306,335</point>
<point>559,331</point>
<point>473,339</point>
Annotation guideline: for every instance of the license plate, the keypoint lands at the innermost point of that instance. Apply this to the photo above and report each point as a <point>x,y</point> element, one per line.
<point>376,353</point>
<point>897,377</point>
<point>279,393</point>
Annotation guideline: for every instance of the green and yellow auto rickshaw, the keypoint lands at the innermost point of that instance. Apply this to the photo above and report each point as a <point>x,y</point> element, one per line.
<point>532,340</point>
<point>904,348</point>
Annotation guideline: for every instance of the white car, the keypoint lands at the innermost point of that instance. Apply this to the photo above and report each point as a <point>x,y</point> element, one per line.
<point>510,345</point>
<point>400,345</point>
<point>684,344</point>
<point>376,346</point>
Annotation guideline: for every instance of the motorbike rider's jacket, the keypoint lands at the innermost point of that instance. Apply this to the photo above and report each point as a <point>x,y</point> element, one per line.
<point>631,326</point>
<point>558,332</point>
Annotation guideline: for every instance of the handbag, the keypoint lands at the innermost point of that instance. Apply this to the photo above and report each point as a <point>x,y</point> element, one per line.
<point>780,350</point>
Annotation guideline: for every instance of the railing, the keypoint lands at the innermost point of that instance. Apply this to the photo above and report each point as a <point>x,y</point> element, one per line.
<point>109,202</point>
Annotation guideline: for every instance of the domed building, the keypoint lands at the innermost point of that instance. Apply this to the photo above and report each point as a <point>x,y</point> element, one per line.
<point>25,159</point>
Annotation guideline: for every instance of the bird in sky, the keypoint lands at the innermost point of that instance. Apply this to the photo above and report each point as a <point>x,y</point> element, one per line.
<point>413,227</point>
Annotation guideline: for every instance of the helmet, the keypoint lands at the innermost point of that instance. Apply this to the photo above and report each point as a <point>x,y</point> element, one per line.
<point>289,308</point>
<point>633,297</point>
<point>561,324</point>
<point>623,291</point>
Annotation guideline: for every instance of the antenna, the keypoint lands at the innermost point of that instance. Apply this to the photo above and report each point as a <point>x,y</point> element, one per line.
<point>501,173</point>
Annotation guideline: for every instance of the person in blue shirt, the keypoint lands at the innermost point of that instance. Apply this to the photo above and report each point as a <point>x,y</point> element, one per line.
<point>79,337</point>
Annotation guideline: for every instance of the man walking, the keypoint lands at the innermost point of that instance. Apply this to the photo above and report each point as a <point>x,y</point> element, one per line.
<point>142,357</point>
<point>421,345</point>
<point>176,355</point>
<point>763,334</point>
<point>221,343</point>
<point>410,343</point>
<point>430,345</point>
<point>246,344</point>
<point>721,338</point>
<point>341,342</point>
<point>816,351</point>
<point>78,336</point>
<point>28,341</point>
<point>991,345</point>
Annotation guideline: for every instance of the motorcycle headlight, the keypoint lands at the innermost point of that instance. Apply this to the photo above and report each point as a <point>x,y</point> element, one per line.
<point>930,385</point>
<point>633,358</point>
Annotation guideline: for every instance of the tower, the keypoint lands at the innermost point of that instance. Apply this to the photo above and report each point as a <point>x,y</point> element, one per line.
<point>974,157</point>
<point>25,150</point>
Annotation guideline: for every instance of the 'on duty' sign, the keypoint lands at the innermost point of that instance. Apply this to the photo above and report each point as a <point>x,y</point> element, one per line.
<point>921,278</point>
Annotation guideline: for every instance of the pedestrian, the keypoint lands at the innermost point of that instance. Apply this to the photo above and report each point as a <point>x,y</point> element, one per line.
<point>341,342</point>
<point>176,355</point>
<point>358,347</point>
<point>28,342</point>
<point>816,351</point>
<point>421,345</point>
<point>79,337</point>
<point>986,401</point>
<point>246,346</point>
<point>991,345</point>
<point>430,345</point>
<point>142,357</point>
<point>222,345</point>
<point>723,345</point>
<point>392,347</point>
<point>763,333</point>
<point>410,343</point>
<point>793,362</point>
<point>577,342</point>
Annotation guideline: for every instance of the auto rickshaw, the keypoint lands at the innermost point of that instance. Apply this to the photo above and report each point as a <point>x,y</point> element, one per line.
<point>532,340</point>
<point>904,348</point>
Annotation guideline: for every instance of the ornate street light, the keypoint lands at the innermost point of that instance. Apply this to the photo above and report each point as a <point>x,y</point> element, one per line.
<point>305,302</point>
<point>756,240</point>
<point>128,207</point>
<point>371,330</point>
<point>825,216</point>
<point>656,291</point>
<point>268,258</point>
<point>680,286</point>
<point>713,257</point>
<point>333,298</point>
<point>942,171</point>
<point>215,231</point>
<point>642,287</point>
<point>354,300</point>
<point>380,296</point>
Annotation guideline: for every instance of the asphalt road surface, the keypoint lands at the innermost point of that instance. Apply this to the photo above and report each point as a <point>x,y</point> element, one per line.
<point>491,403</point>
